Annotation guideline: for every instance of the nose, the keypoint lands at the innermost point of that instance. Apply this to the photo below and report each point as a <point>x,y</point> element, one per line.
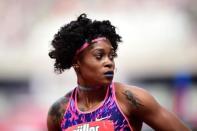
<point>109,63</point>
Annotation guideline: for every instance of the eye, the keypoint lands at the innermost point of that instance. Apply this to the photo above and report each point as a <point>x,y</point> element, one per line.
<point>99,56</point>
<point>112,55</point>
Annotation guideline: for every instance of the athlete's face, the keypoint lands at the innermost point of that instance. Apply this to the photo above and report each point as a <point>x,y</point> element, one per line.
<point>96,66</point>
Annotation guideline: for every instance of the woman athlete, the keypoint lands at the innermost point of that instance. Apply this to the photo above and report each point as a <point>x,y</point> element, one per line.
<point>97,103</point>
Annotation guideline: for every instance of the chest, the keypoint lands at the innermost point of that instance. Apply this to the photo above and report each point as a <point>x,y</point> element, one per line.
<point>108,114</point>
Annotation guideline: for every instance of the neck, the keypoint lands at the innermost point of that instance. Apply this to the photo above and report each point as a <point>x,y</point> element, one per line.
<point>90,96</point>
<point>84,88</point>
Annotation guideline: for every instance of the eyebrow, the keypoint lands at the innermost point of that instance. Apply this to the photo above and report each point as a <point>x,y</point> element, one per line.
<point>102,50</point>
<point>98,48</point>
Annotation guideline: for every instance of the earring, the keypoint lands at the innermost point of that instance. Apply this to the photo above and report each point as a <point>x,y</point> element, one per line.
<point>75,66</point>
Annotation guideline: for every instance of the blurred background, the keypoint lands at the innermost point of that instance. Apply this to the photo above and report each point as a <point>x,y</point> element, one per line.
<point>158,53</point>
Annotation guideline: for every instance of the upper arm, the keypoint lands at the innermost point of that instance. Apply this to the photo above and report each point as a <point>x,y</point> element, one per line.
<point>152,113</point>
<point>157,116</point>
<point>163,120</point>
<point>56,113</point>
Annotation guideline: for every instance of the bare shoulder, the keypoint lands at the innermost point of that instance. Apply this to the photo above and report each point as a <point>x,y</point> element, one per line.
<point>136,96</point>
<point>56,112</point>
<point>140,101</point>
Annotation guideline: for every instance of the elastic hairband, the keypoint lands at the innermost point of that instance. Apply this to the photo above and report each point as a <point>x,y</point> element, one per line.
<point>86,44</point>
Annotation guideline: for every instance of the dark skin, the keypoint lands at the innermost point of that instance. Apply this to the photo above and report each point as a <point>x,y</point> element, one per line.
<point>136,103</point>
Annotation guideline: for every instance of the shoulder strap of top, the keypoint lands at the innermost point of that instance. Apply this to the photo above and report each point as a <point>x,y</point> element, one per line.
<point>69,104</point>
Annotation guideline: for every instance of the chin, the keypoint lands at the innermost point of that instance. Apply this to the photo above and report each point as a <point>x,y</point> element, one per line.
<point>107,82</point>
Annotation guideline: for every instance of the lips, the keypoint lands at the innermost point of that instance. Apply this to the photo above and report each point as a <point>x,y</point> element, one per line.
<point>109,74</point>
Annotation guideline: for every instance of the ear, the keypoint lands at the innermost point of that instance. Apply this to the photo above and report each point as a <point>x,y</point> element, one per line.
<point>76,63</point>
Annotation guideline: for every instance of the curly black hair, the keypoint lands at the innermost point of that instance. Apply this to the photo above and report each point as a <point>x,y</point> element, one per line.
<point>72,36</point>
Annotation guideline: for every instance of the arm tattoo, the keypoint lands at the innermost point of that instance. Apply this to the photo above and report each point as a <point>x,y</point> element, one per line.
<point>132,99</point>
<point>57,110</point>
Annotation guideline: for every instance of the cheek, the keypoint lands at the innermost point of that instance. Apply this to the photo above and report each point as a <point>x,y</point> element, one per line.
<point>91,67</point>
